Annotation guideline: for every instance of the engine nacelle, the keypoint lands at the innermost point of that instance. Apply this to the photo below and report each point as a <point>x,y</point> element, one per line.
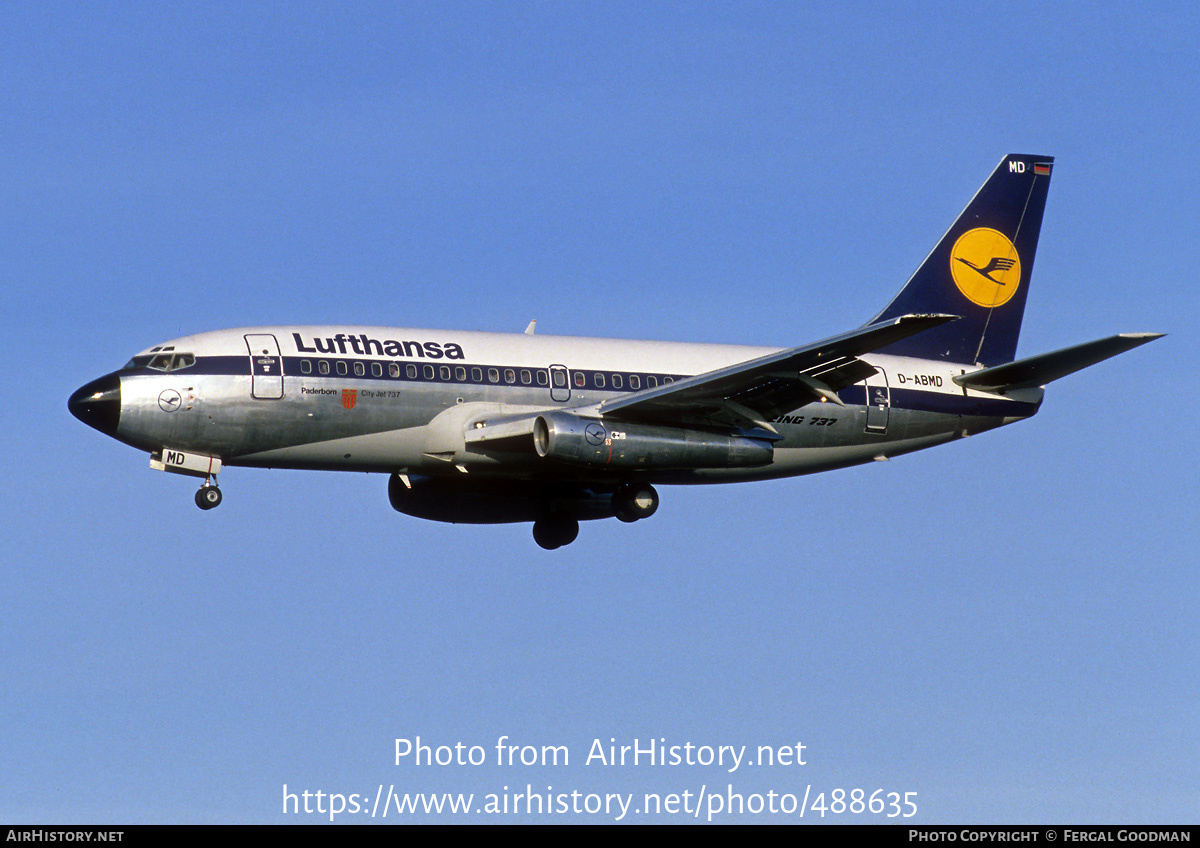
<point>461,500</point>
<point>589,441</point>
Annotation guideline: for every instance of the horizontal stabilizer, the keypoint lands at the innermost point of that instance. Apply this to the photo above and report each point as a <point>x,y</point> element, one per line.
<point>1040,370</point>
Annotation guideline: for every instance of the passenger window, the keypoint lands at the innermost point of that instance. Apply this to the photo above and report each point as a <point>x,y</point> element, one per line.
<point>476,375</point>
<point>305,366</point>
<point>428,372</point>
<point>599,380</point>
<point>493,375</point>
<point>444,372</point>
<point>394,369</point>
<point>667,380</point>
<point>510,376</point>
<point>560,379</point>
<point>580,379</point>
<point>526,377</point>
<point>460,374</point>
<point>411,371</point>
<point>341,367</point>
<point>323,367</point>
<point>651,382</point>
<point>616,381</point>
<point>541,378</point>
<point>359,369</point>
<point>376,369</point>
<point>635,382</point>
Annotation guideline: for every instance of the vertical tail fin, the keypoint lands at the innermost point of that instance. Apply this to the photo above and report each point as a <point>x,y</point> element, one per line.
<point>980,270</point>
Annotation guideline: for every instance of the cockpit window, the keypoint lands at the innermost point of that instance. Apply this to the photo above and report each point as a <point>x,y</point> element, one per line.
<point>161,362</point>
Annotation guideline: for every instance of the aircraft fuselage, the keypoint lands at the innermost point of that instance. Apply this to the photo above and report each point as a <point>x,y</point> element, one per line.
<point>383,399</point>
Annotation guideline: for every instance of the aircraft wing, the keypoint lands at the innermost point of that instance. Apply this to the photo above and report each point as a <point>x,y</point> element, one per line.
<point>751,393</point>
<point>745,395</point>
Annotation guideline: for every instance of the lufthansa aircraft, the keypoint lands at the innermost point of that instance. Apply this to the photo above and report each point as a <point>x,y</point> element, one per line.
<point>489,428</point>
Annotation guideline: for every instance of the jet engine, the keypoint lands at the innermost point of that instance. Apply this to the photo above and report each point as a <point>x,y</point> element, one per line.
<point>591,442</point>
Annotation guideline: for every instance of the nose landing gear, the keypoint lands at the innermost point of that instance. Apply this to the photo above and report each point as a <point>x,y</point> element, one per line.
<point>209,495</point>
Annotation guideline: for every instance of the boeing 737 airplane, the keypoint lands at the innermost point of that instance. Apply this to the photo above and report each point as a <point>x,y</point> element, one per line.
<point>489,428</point>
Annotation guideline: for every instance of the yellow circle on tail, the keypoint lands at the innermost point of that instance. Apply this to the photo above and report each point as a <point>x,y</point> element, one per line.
<point>985,267</point>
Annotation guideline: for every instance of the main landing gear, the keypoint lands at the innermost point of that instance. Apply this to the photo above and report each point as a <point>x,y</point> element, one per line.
<point>555,531</point>
<point>209,495</point>
<point>635,501</point>
<point>630,502</point>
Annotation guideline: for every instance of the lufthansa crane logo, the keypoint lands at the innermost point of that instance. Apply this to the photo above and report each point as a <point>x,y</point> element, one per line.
<point>595,434</point>
<point>985,267</point>
<point>169,400</point>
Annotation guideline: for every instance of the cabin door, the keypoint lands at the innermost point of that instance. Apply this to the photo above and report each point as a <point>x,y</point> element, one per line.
<point>879,402</point>
<point>266,366</point>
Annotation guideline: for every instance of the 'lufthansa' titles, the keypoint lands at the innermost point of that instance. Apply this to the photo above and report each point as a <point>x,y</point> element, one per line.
<point>364,345</point>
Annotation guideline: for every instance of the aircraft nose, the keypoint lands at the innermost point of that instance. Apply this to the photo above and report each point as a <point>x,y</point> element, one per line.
<point>98,404</point>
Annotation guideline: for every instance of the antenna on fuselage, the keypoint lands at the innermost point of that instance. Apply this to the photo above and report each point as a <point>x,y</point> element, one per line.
<point>529,331</point>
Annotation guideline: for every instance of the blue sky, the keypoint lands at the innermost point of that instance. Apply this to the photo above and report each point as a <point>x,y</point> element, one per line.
<point>1004,626</point>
